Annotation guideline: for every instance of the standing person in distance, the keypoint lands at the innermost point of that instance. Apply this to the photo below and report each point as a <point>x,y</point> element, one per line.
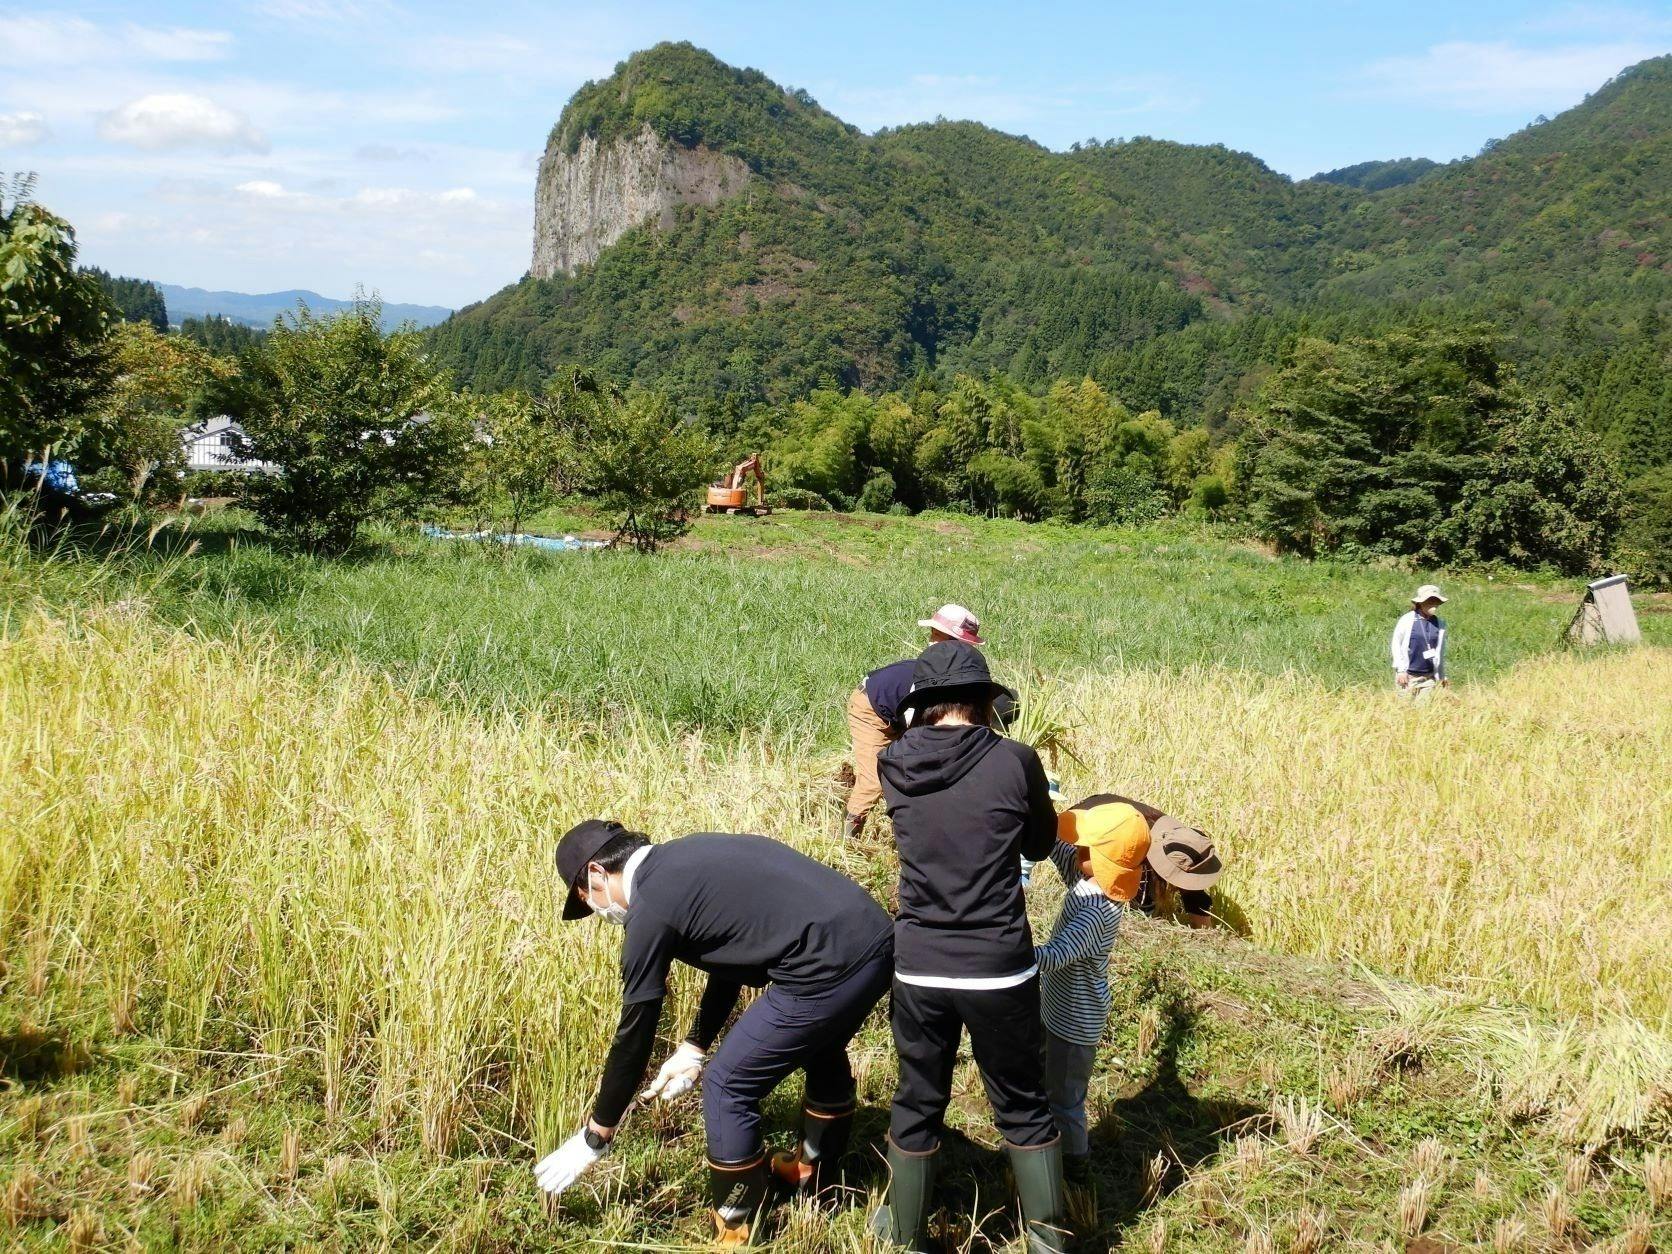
<point>874,713</point>
<point>1418,646</point>
<point>746,910</point>
<point>967,805</point>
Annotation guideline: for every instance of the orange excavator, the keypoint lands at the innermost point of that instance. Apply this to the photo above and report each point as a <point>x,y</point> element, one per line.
<point>729,496</point>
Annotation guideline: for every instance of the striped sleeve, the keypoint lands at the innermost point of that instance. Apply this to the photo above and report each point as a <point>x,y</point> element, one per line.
<point>1081,934</point>
<point>1067,864</point>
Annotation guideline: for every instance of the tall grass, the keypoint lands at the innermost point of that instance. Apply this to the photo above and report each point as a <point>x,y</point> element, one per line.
<point>770,623</point>
<point>231,847</point>
<point>1512,837</point>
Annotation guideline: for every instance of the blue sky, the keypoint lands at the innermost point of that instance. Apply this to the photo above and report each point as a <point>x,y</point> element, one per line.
<point>266,144</point>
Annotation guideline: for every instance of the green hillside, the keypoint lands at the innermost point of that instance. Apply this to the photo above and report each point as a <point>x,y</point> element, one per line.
<point>1168,272</point>
<point>1375,176</point>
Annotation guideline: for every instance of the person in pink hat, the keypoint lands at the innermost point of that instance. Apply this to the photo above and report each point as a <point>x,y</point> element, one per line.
<point>874,712</point>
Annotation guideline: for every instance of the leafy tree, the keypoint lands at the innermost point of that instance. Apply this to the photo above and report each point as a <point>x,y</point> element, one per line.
<point>818,445</point>
<point>630,453</point>
<point>136,428</point>
<point>518,458</point>
<point>1548,494</point>
<point>1189,461</point>
<point>222,336</point>
<point>1122,496</point>
<point>1368,442</point>
<point>1646,542</point>
<point>361,425</point>
<point>1003,484</point>
<point>54,363</point>
<point>1375,176</point>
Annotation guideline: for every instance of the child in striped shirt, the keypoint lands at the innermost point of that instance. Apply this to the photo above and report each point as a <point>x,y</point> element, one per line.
<point>1100,855</point>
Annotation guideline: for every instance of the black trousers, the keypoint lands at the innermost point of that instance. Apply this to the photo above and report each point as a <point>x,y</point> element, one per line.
<point>1006,1037</point>
<point>780,1033</point>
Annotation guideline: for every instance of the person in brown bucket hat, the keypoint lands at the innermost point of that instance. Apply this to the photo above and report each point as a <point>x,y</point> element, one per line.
<point>1182,861</point>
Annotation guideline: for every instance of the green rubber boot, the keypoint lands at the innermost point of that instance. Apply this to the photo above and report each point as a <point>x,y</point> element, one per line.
<point>903,1220</point>
<point>1038,1171</point>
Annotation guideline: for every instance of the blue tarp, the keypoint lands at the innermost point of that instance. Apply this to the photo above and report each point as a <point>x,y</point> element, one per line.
<point>555,544</point>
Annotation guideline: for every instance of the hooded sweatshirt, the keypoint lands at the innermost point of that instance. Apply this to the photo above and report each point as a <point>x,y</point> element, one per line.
<point>967,805</point>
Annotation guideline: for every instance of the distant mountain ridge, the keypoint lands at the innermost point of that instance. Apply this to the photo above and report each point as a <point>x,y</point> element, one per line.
<point>1375,176</point>
<point>259,309</point>
<point>702,229</point>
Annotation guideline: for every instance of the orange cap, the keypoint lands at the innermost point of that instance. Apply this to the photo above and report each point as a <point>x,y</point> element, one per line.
<point>1117,838</point>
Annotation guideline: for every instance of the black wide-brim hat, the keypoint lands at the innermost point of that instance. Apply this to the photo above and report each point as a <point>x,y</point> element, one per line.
<point>945,665</point>
<point>579,846</point>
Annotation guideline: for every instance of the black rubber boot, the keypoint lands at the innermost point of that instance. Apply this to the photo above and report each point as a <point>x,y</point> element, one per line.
<point>902,1221</point>
<point>737,1192</point>
<point>816,1164</point>
<point>1038,1171</point>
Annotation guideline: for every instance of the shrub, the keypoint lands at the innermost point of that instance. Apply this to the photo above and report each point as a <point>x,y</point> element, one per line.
<point>877,494</point>
<point>204,483</point>
<point>1208,495</point>
<point>1123,497</point>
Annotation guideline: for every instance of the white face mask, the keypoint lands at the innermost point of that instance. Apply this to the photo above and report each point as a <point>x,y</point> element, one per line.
<point>609,911</point>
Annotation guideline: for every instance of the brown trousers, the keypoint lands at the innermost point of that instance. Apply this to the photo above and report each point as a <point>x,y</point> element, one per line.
<point>871,734</point>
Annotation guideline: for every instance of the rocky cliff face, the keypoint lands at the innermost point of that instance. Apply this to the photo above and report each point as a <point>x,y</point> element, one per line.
<point>585,201</point>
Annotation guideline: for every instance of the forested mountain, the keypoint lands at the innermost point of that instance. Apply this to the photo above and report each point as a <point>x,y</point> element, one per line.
<point>1375,176</point>
<point>1172,274</point>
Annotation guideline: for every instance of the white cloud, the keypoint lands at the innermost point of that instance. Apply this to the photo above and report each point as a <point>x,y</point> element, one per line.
<point>177,120</point>
<point>177,43</point>
<point>19,130</point>
<point>263,189</point>
<point>1499,76</point>
<point>321,12</point>
<point>33,40</point>
<point>368,202</point>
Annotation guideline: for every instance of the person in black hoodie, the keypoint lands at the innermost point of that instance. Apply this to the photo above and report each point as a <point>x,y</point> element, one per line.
<point>967,805</point>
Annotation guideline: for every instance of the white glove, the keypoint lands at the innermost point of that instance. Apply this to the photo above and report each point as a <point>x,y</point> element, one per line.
<point>565,1164</point>
<point>679,1074</point>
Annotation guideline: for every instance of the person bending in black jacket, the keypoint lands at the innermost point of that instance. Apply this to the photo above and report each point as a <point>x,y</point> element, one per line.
<point>966,804</point>
<point>747,911</point>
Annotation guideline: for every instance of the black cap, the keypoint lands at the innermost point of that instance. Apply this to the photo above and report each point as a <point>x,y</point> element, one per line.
<point>580,845</point>
<point>948,664</point>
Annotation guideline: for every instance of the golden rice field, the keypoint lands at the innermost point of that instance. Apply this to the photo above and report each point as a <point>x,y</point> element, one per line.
<point>228,835</point>
<point>230,846</point>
